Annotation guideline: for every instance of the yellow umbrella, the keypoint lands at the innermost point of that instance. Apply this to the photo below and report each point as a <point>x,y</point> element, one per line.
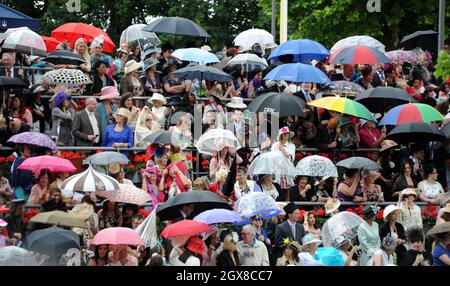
<point>343,105</point>
<point>59,218</point>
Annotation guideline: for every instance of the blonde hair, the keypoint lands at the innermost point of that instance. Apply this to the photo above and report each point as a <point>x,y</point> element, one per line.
<point>228,243</point>
<point>221,174</point>
<point>85,55</point>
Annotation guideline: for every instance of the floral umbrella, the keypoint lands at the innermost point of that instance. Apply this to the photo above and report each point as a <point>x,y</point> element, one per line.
<point>127,194</point>
<point>402,56</point>
<point>256,203</point>
<point>34,138</point>
<point>316,166</point>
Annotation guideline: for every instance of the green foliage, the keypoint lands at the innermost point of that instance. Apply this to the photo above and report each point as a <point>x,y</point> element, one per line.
<point>443,65</point>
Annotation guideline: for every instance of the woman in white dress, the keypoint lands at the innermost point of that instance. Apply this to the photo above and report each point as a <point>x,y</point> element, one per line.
<point>159,110</point>
<point>384,255</point>
<point>410,213</point>
<point>430,188</point>
<point>285,146</point>
<point>310,245</point>
<point>146,124</point>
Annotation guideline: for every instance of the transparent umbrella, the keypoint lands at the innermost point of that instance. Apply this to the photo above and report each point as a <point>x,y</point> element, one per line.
<point>340,229</point>
<point>272,163</point>
<point>215,140</point>
<point>134,33</point>
<point>316,166</point>
<point>16,256</point>
<point>256,204</point>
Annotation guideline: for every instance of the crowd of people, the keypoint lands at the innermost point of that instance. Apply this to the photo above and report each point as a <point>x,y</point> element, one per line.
<point>114,116</point>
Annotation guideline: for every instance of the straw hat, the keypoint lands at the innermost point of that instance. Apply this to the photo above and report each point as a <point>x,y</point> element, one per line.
<point>216,95</point>
<point>446,210</point>
<point>410,191</point>
<point>123,112</point>
<point>309,239</point>
<point>131,66</point>
<point>387,144</point>
<point>82,211</point>
<point>109,92</point>
<point>237,103</point>
<point>331,205</point>
<point>285,130</point>
<point>440,228</point>
<point>158,97</point>
<point>114,168</point>
<point>388,210</point>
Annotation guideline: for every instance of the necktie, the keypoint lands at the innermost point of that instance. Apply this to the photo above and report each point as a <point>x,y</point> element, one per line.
<point>9,72</point>
<point>293,230</point>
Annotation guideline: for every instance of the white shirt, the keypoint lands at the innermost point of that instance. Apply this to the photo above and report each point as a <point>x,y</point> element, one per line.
<point>159,113</point>
<point>94,124</point>
<point>387,259</point>
<point>430,190</point>
<point>306,259</point>
<point>11,70</point>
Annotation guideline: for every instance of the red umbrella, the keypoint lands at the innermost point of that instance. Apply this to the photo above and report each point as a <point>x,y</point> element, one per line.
<point>117,236</point>
<point>359,54</point>
<point>50,43</point>
<point>53,164</point>
<point>185,228</point>
<point>71,32</point>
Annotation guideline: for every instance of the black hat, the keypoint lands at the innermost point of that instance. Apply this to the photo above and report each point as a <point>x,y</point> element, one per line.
<point>172,61</point>
<point>290,207</point>
<point>369,211</point>
<point>166,47</point>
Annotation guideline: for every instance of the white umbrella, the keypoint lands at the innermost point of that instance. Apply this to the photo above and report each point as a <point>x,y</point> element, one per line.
<point>135,33</point>
<point>215,140</point>
<point>16,256</point>
<point>358,40</point>
<point>248,61</point>
<point>25,41</point>
<point>272,163</point>
<point>90,181</point>
<point>196,55</point>
<point>316,166</point>
<point>340,228</point>
<point>147,230</point>
<point>70,77</point>
<point>127,194</point>
<point>247,38</point>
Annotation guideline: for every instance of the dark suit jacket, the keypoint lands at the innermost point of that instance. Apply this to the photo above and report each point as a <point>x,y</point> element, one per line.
<point>282,231</point>
<point>314,116</point>
<point>224,259</point>
<point>82,127</point>
<point>442,178</point>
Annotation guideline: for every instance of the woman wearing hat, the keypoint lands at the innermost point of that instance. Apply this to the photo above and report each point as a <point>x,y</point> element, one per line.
<point>126,101</point>
<point>441,251</point>
<point>416,255</point>
<point>62,118</point>
<point>119,135</point>
<point>146,124</point>
<point>40,110</point>
<point>229,256</point>
<point>217,105</point>
<point>101,79</point>
<point>290,255</point>
<point>159,110</point>
<point>385,255</point>
<point>309,250</point>
<point>130,81</point>
<point>173,85</point>
<point>348,136</point>
<point>151,79</point>
<point>395,230</point>
<point>370,136</point>
<point>368,186</point>
<point>285,146</point>
<point>443,215</point>
<point>386,160</point>
<point>410,213</point>
<point>190,255</point>
<point>106,107</point>
<point>430,188</point>
<point>368,234</point>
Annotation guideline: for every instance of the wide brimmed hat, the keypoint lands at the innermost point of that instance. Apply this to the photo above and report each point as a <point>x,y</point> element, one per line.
<point>216,95</point>
<point>285,130</point>
<point>290,207</point>
<point>109,92</point>
<point>368,173</point>
<point>387,144</point>
<point>114,168</point>
<point>123,112</point>
<point>206,48</point>
<point>195,245</point>
<point>158,97</point>
<point>237,103</point>
<point>369,211</point>
<point>310,239</point>
<point>171,62</point>
<point>331,205</point>
<point>295,245</point>
<point>82,211</point>
<point>388,210</point>
<point>148,63</point>
<point>445,198</point>
<point>131,66</point>
<point>440,228</point>
<point>410,192</point>
<point>60,97</point>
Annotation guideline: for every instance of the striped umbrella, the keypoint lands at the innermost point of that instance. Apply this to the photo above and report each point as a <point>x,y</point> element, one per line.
<point>90,181</point>
<point>411,112</point>
<point>344,106</point>
<point>358,55</point>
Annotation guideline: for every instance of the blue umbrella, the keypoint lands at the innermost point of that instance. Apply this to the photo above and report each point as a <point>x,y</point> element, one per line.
<point>298,73</point>
<point>196,55</point>
<point>217,216</point>
<point>303,50</point>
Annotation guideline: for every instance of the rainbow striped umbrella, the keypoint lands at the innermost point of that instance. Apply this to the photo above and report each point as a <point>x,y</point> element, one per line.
<point>360,54</point>
<point>344,106</point>
<point>411,112</point>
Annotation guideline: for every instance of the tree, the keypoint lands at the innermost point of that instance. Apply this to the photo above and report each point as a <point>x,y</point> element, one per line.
<point>443,66</point>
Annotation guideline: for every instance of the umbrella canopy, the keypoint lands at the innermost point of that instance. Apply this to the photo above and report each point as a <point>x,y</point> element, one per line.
<point>127,194</point>
<point>106,158</point>
<point>117,236</point>
<point>345,87</point>
<point>196,55</point>
<point>8,82</point>
<point>378,99</point>
<point>302,50</point>
<point>249,62</point>
<point>203,73</point>
<point>3,223</point>
<point>298,73</point>
<point>340,229</point>
<point>71,32</point>
<point>256,203</point>
<point>34,138</point>
<point>64,58</point>
<point>16,256</point>
<point>72,77</point>
<point>50,43</point>
<point>446,130</point>
<point>411,112</point>
<point>344,106</point>
<point>402,56</point>
<point>284,104</point>
<point>25,41</point>
<point>202,200</point>
<point>415,132</point>
<point>59,218</point>
<point>272,163</point>
<point>358,40</point>
<point>53,241</point>
<point>355,55</point>
<point>421,39</point>
<point>166,138</point>
<point>316,166</point>
<point>358,163</point>
<point>250,37</point>
<point>90,181</point>
<point>134,33</point>
<point>214,140</point>
<point>185,228</point>
<point>217,216</point>
<point>51,163</point>
<point>176,26</point>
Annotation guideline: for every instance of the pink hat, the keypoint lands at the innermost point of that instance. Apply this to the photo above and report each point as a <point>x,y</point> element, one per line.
<point>109,92</point>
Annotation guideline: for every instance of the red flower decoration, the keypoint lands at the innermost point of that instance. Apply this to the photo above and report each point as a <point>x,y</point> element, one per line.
<point>343,156</point>
<point>350,210</point>
<point>298,156</point>
<point>10,158</point>
<point>380,215</point>
<point>188,157</point>
<point>320,212</point>
<point>195,159</point>
<point>431,207</point>
<point>434,214</point>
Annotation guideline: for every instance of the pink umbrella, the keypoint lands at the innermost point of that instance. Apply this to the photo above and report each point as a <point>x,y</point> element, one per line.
<point>3,223</point>
<point>53,164</point>
<point>185,228</point>
<point>117,236</point>
<point>127,194</point>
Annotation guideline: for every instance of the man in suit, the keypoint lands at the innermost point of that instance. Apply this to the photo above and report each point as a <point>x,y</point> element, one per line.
<point>290,229</point>
<point>86,129</point>
<point>236,121</point>
<point>9,70</point>
<point>185,212</point>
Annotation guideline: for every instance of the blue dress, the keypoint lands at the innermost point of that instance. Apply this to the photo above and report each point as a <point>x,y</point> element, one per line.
<point>437,252</point>
<point>110,136</point>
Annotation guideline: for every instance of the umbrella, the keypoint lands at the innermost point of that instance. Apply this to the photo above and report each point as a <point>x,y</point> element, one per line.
<point>59,218</point>
<point>34,138</point>
<point>358,40</point>
<point>440,228</point>
<point>3,223</point>
<point>90,181</point>
<point>176,26</point>
<point>249,62</point>
<point>53,241</point>
<point>415,132</point>
<point>358,163</point>
<point>285,104</point>
<point>117,236</point>
<point>358,55</point>
<point>202,200</point>
<point>50,43</point>
<point>64,58</point>
<point>411,112</point>
<point>298,73</point>
<point>127,194</point>
<point>16,256</point>
<point>11,82</point>
<point>71,32</point>
<point>378,99</point>
<point>256,204</point>
<point>421,39</point>
<point>203,73</point>
<point>401,56</point>
<point>25,41</point>
<point>196,55</point>
<point>214,140</point>
<point>51,163</point>
<point>344,106</point>
<point>147,230</point>
<point>166,138</point>
<point>446,130</point>
<point>250,37</point>
<point>340,229</point>
<point>272,163</point>
<point>106,158</point>
<point>302,50</point>
<point>316,166</point>
<point>134,33</point>
<point>72,77</point>
<point>218,216</point>
<point>185,228</point>
<point>345,87</point>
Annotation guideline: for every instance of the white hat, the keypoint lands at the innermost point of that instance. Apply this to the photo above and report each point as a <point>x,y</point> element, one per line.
<point>285,130</point>
<point>132,66</point>
<point>206,48</point>
<point>388,210</point>
<point>331,205</point>
<point>237,103</point>
<point>309,238</point>
<point>158,97</point>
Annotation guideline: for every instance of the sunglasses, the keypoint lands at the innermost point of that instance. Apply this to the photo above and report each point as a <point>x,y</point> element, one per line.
<point>257,219</point>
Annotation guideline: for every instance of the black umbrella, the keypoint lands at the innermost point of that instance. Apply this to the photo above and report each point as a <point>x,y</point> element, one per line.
<point>415,132</point>
<point>446,130</point>
<point>8,82</point>
<point>53,241</point>
<point>166,138</point>
<point>64,58</point>
<point>202,73</point>
<point>284,104</point>
<point>176,26</point>
<point>358,163</point>
<point>421,39</point>
<point>380,99</point>
<point>202,200</point>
